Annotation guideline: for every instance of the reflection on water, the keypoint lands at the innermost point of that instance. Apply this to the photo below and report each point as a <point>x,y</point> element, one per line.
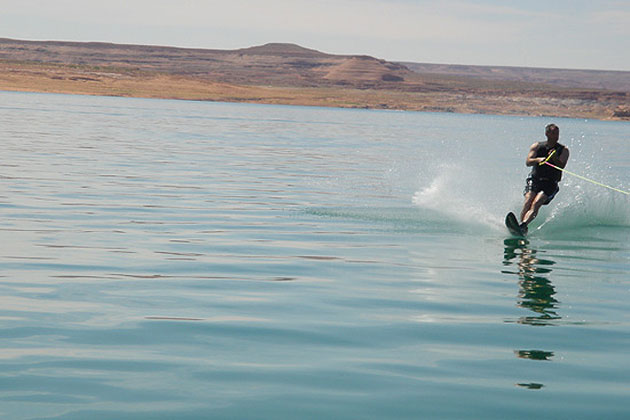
<point>531,385</point>
<point>534,354</point>
<point>536,294</point>
<point>536,291</point>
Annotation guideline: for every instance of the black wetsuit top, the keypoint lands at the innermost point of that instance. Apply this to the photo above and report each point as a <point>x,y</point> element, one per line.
<point>546,172</point>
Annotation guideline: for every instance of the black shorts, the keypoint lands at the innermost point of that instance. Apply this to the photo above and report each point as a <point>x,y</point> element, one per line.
<point>547,186</point>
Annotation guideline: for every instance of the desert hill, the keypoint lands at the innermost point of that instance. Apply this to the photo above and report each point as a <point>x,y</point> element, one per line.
<point>291,74</point>
<point>569,78</point>
<point>271,64</point>
<point>283,49</point>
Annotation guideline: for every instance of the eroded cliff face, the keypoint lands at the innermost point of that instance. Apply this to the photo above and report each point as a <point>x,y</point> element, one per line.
<point>622,112</point>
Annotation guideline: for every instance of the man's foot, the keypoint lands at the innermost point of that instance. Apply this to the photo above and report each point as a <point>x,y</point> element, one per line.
<point>523,227</point>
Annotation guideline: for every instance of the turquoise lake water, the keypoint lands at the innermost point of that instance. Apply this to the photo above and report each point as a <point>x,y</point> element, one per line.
<point>190,260</point>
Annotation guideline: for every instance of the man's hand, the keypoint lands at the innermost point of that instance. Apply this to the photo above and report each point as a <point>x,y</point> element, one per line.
<point>549,156</point>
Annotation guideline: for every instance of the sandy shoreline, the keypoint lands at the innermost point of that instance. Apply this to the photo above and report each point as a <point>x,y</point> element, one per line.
<point>104,81</point>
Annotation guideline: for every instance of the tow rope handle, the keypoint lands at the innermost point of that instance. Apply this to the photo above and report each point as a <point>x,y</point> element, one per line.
<point>548,157</point>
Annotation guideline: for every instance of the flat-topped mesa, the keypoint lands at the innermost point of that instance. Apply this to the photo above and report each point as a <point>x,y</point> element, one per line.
<point>317,67</point>
<point>282,50</point>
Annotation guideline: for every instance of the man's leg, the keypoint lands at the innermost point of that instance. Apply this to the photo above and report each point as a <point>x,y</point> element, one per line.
<point>529,199</point>
<point>539,200</point>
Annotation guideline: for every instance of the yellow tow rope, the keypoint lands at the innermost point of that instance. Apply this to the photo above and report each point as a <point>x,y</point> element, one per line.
<point>545,162</point>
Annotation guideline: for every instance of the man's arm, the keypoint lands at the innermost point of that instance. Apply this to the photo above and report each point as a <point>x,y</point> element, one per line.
<point>561,161</point>
<point>531,159</point>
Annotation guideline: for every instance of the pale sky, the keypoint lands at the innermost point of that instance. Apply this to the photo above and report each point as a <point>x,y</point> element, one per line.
<point>578,34</point>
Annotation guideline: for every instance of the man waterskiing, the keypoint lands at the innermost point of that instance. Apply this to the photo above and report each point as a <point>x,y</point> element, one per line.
<point>542,182</point>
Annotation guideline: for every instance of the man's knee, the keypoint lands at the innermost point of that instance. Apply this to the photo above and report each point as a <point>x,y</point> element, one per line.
<point>529,199</point>
<point>540,200</point>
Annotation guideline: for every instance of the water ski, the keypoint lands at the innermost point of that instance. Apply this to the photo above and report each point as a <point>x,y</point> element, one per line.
<point>512,224</point>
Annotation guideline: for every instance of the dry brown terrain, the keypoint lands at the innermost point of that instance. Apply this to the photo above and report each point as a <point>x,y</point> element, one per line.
<point>571,78</point>
<point>290,74</point>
